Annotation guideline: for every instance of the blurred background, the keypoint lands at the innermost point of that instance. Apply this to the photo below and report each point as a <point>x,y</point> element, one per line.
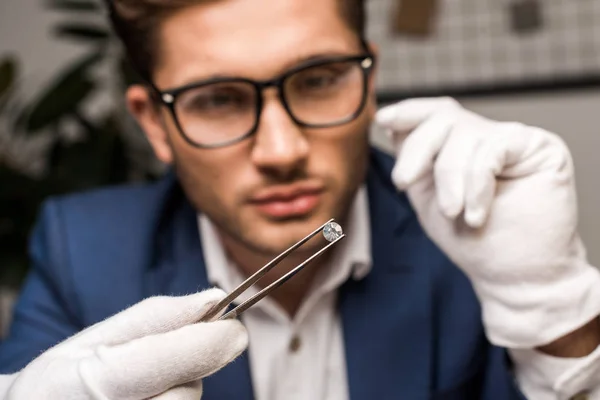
<point>64,128</point>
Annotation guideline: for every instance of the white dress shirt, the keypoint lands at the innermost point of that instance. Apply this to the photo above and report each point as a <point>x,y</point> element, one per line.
<point>285,353</point>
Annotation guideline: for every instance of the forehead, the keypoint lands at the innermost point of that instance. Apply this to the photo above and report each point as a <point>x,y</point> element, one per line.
<point>251,38</point>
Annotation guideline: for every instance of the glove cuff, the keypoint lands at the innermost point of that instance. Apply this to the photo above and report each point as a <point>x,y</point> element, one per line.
<point>526,315</point>
<point>559,378</point>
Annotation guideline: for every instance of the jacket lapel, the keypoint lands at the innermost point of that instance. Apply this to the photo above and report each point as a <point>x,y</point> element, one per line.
<point>181,271</point>
<point>386,316</point>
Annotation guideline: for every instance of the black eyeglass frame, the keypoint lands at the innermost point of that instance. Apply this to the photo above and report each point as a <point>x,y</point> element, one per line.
<point>169,97</point>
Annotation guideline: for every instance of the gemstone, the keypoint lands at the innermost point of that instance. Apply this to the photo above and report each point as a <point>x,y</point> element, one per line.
<point>332,231</point>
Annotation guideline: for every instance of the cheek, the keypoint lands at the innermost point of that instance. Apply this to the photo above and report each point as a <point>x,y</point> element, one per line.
<point>347,149</point>
<point>211,177</point>
<point>355,158</point>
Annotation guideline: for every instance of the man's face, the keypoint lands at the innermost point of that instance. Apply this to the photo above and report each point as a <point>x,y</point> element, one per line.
<point>272,189</point>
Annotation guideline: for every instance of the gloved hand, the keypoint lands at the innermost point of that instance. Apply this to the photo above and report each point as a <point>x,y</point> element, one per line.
<point>499,199</point>
<point>153,350</point>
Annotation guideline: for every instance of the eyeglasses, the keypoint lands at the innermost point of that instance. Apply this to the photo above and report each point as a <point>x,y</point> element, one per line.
<point>222,111</point>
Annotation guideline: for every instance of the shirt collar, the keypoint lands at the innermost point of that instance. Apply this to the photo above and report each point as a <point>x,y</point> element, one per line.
<point>352,258</point>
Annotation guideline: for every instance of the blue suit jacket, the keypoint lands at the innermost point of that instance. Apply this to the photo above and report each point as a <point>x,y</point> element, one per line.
<point>412,328</point>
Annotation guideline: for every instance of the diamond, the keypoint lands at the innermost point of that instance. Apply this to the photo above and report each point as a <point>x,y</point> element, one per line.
<point>332,231</point>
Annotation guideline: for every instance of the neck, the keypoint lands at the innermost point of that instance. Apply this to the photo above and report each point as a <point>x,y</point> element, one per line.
<point>290,295</point>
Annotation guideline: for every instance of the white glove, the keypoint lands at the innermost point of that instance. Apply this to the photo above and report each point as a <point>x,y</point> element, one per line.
<point>499,199</point>
<point>153,350</point>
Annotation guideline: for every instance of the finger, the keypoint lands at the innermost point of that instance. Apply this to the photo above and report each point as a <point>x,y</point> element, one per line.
<point>151,316</point>
<point>188,391</point>
<point>450,172</point>
<point>396,139</point>
<point>504,154</point>
<point>530,150</point>
<point>420,149</point>
<point>153,364</point>
<point>422,198</point>
<point>409,114</point>
<point>486,165</point>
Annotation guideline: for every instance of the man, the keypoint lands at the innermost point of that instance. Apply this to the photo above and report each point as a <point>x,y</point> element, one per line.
<point>263,109</point>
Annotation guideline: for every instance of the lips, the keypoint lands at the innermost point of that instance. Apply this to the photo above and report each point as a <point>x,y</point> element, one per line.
<point>287,201</point>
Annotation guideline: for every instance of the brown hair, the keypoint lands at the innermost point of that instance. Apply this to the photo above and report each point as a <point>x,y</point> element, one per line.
<point>136,23</point>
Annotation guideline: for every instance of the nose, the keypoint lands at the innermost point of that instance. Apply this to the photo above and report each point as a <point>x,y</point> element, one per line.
<point>280,146</point>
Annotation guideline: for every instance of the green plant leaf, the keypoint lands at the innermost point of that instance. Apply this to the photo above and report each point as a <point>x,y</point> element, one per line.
<point>82,32</point>
<point>60,103</point>
<point>91,163</point>
<point>8,76</point>
<point>4,99</point>
<point>22,117</point>
<point>73,5</point>
<point>8,73</point>
<point>65,95</point>
<point>127,74</point>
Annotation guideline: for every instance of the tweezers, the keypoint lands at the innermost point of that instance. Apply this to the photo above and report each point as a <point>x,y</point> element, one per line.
<point>333,238</point>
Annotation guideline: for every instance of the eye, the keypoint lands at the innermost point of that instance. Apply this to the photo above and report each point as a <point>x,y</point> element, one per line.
<point>321,78</point>
<point>316,80</point>
<point>217,98</point>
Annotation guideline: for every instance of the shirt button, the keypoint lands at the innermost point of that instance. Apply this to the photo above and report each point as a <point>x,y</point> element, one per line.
<point>295,344</point>
<point>581,396</point>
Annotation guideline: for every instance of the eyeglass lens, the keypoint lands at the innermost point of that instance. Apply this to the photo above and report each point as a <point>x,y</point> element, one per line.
<point>316,96</point>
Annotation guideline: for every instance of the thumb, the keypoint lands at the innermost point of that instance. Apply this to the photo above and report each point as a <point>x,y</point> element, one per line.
<point>508,154</point>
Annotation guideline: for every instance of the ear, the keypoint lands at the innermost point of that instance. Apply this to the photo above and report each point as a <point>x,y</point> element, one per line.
<point>147,114</point>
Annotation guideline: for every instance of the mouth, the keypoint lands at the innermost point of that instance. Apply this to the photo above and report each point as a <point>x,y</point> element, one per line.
<point>287,201</point>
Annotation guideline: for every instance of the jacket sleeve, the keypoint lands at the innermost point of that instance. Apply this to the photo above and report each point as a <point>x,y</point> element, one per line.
<point>45,313</point>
